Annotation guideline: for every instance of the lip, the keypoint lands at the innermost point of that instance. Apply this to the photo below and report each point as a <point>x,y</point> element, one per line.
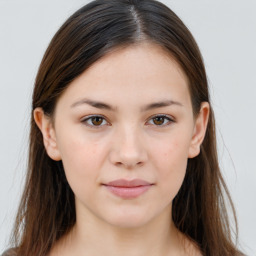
<point>128,189</point>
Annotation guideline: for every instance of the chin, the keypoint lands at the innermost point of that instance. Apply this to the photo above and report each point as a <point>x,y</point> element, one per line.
<point>128,223</point>
<point>128,219</point>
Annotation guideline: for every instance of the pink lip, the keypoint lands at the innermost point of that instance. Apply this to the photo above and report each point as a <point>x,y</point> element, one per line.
<point>128,189</point>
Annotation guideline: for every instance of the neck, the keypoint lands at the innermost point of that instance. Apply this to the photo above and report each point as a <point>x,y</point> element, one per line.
<point>92,236</point>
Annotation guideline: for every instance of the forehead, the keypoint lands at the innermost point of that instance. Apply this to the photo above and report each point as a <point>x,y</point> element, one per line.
<point>143,72</point>
<point>155,58</point>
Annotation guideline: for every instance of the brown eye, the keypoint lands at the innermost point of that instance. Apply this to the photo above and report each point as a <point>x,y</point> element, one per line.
<point>160,120</point>
<point>97,120</point>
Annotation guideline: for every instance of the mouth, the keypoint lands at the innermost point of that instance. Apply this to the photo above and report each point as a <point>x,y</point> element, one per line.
<point>128,189</point>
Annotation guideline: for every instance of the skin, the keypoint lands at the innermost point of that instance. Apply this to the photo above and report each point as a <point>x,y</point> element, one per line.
<point>129,141</point>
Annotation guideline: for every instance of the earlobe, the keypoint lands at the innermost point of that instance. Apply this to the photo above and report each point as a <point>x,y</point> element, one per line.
<point>45,125</point>
<point>199,130</point>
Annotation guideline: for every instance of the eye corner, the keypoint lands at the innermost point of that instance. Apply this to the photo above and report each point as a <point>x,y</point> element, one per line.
<point>95,121</point>
<point>163,120</point>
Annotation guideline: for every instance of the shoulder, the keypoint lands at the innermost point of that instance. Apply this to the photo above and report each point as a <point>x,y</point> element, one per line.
<point>10,252</point>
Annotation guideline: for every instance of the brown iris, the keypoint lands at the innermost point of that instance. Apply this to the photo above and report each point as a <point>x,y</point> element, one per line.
<point>159,120</point>
<point>97,120</point>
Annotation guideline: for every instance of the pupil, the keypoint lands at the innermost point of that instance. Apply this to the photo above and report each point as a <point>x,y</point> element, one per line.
<point>97,120</point>
<point>158,120</point>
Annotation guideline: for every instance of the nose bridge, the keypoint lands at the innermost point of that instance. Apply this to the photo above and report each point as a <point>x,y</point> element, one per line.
<point>128,148</point>
<point>130,141</point>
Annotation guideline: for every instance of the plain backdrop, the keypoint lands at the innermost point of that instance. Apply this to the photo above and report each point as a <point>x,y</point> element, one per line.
<point>226,33</point>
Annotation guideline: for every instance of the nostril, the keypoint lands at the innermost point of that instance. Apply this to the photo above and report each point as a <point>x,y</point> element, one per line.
<point>118,163</point>
<point>129,165</point>
<point>128,157</point>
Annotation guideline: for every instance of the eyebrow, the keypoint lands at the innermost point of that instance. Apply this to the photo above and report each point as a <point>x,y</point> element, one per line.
<point>102,105</point>
<point>95,104</point>
<point>161,104</point>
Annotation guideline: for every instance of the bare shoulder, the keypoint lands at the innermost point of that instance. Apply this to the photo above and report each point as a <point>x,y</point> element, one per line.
<point>10,252</point>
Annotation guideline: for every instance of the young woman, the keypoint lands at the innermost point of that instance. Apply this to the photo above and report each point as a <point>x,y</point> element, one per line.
<point>122,156</point>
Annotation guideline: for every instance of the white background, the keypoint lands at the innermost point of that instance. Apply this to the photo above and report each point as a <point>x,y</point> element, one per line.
<point>226,33</point>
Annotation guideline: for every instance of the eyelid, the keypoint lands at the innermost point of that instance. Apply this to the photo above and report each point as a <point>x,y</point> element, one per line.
<point>168,117</point>
<point>86,118</point>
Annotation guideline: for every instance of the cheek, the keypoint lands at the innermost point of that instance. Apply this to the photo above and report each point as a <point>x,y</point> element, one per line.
<point>82,161</point>
<point>171,163</point>
<point>172,153</point>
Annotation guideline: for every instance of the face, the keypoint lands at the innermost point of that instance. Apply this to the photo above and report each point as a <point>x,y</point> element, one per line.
<point>124,130</point>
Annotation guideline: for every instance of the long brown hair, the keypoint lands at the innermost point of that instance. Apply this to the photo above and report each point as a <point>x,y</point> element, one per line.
<point>47,209</point>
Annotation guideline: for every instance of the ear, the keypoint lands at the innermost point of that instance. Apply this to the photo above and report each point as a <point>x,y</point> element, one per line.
<point>45,125</point>
<point>199,130</point>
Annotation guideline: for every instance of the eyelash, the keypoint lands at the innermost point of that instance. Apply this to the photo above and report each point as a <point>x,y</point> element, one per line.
<point>167,120</point>
<point>90,118</point>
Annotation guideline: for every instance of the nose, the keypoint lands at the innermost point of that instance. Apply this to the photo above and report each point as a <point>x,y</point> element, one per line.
<point>128,149</point>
